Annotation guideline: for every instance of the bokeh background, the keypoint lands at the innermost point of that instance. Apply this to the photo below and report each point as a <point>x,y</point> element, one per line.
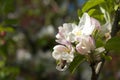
<point>27,38</point>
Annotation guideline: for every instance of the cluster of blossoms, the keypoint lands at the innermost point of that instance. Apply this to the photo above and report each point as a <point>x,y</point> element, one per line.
<point>75,38</point>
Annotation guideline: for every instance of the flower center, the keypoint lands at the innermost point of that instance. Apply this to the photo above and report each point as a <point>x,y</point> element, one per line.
<point>78,33</point>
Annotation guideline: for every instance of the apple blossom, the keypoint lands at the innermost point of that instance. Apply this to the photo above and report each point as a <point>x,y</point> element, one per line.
<point>71,35</point>
<point>83,32</point>
<point>85,27</point>
<point>64,36</point>
<point>85,45</point>
<point>64,55</point>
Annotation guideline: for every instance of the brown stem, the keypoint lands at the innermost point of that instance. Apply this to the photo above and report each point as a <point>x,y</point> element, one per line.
<point>94,75</point>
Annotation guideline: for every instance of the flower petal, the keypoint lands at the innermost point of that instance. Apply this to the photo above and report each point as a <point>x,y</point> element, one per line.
<point>60,48</point>
<point>85,20</point>
<point>56,55</point>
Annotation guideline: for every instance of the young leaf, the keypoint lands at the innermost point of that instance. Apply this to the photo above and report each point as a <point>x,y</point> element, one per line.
<point>106,57</point>
<point>113,44</point>
<point>76,62</point>
<point>79,12</point>
<point>99,43</point>
<point>90,4</point>
<point>91,11</point>
<point>7,29</point>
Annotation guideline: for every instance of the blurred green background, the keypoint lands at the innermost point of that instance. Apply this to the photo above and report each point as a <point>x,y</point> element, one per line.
<point>27,38</point>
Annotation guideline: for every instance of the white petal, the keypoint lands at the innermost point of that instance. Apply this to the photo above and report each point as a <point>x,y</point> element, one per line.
<point>85,20</point>
<point>71,37</point>
<point>88,30</point>
<point>106,28</point>
<point>67,27</point>
<point>56,55</point>
<point>68,57</point>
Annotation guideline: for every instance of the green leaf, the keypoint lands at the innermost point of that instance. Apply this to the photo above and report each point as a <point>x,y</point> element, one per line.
<point>2,63</point>
<point>76,62</point>
<point>79,12</point>
<point>113,44</point>
<point>11,21</point>
<point>7,29</point>
<point>90,4</point>
<point>106,57</point>
<point>8,6</point>
<point>99,43</point>
<point>116,7</point>
<point>91,11</point>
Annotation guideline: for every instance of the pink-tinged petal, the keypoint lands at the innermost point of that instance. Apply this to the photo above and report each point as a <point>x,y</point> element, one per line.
<point>60,48</point>
<point>64,42</point>
<point>96,23</point>
<point>60,34</point>
<point>63,53</point>
<point>85,45</point>
<point>79,48</point>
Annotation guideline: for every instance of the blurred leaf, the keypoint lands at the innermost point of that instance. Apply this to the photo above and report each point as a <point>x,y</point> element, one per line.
<point>97,14</point>
<point>7,71</point>
<point>7,29</point>
<point>76,62</point>
<point>109,7</point>
<point>2,63</point>
<point>99,43</point>
<point>91,3</point>
<point>116,7</point>
<point>9,6</point>
<point>106,57</point>
<point>91,11</point>
<point>113,44</point>
<point>11,21</point>
<point>79,12</point>
<point>99,17</point>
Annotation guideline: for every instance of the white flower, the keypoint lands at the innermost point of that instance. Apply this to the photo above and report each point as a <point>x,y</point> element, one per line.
<point>85,45</point>
<point>23,54</point>
<point>85,27</point>
<point>64,36</point>
<point>63,53</point>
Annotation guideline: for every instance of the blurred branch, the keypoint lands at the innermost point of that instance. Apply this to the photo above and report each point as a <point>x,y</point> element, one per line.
<point>116,26</point>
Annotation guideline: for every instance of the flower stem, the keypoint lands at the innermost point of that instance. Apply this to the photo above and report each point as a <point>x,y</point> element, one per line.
<point>94,75</point>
